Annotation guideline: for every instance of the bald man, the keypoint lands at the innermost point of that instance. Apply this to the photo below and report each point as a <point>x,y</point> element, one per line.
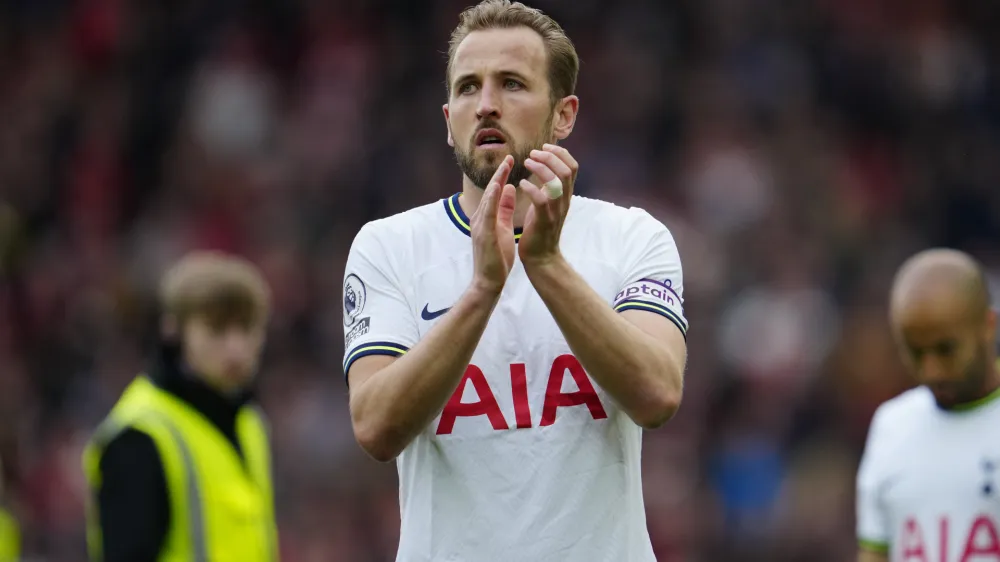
<point>928,487</point>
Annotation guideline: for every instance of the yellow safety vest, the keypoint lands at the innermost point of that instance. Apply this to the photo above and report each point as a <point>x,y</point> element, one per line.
<point>221,509</point>
<point>10,537</point>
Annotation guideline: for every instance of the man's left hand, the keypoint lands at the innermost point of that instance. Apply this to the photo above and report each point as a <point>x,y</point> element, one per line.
<point>539,243</point>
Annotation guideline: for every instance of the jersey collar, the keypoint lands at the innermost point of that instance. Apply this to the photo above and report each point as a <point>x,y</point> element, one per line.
<point>976,404</point>
<point>461,221</point>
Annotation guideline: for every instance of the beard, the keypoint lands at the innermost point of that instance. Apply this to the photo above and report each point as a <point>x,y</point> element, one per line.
<point>480,166</point>
<point>971,387</point>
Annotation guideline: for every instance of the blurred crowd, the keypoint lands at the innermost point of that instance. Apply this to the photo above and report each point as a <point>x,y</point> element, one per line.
<point>797,150</point>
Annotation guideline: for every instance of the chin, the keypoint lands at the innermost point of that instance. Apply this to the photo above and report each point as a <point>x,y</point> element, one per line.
<point>947,400</point>
<point>491,157</point>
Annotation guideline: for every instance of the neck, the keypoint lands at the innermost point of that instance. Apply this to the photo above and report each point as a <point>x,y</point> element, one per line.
<point>992,382</point>
<point>472,196</point>
<point>989,389</point>
<point>227,392</point>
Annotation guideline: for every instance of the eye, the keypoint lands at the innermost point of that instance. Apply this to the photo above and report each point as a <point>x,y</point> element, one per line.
<point>512,84</point>
<point>467,88</point>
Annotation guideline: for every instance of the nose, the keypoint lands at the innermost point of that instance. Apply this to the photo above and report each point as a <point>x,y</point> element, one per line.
<point>238,346</point>
<point>933,370</point>
<point>489,102</point>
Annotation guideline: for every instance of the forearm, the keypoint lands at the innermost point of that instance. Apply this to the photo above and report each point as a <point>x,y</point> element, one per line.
<point>396,403</point>
<point>640,373</point>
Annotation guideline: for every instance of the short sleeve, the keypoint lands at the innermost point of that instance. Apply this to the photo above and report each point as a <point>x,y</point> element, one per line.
<point>872,523</point>
<point>653,279</point>
<point>377,318</point>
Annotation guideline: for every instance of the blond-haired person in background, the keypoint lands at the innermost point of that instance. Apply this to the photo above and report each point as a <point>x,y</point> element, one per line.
<point>180,469</point>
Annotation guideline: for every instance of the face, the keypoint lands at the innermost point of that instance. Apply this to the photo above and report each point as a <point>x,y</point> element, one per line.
<point>499,103</point>
<point>945,349</point>
<point>226,356</point>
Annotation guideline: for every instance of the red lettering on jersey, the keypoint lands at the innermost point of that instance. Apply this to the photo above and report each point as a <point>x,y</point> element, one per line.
<point>556,398</point>
<point>519,388</point>
<point>487,403</point>
<point>943,536</point>
<point>913,541</point>
<point>983,525</point>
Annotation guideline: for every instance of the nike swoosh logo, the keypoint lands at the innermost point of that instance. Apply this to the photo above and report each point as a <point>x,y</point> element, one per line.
<point>428,315</point>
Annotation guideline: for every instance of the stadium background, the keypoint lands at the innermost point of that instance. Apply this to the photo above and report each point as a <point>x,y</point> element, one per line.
<point>797,150</point>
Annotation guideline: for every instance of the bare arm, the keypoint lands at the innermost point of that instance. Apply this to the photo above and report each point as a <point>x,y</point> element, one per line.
<point>393,399</point>
<point>637,357</point>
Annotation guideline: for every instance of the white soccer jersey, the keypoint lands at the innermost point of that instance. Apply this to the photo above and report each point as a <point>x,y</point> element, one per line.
<point>530,461</point>
<point>928,486</point>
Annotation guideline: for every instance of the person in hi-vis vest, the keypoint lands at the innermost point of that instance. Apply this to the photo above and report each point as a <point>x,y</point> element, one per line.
<point>10,531</point>
<point>180,469</point>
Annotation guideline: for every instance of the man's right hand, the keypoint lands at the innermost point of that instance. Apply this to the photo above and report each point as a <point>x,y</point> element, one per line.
<point>394,399</point>
<point>493,232</point>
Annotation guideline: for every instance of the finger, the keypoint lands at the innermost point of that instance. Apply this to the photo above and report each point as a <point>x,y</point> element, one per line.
<point>498,179</point>
<point>506,203</point>
<point>503,170</point>
<point>563,155</point>
<point>488,207</point>
<point>567,158</point>
<point>541,170</point>
<point>554,163</point>
<point>535,193</point>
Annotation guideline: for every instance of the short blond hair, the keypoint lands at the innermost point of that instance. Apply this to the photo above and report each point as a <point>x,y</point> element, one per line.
<point>221,288</point>
<point>564,64</point>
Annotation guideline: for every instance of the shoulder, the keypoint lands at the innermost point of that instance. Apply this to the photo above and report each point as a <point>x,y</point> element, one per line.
<point>900,415</point>
<point>614,214</point>
<point>891,437</point>
<point>406,223</point>
<point>609,221</point>
<point>129,449</point>
<point>907,406</point>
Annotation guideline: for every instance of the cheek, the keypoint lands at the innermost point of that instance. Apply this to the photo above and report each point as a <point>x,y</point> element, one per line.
<point>203,356</point>
<point>460,120</point>
<point>533,122</point>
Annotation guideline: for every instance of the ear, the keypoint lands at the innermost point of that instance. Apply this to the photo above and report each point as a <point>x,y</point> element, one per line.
<point>447,124</point>
<point>565,116</point>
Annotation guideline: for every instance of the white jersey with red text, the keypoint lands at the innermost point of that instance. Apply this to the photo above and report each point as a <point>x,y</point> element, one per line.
<point>928,486</point>
<point>530,460</point>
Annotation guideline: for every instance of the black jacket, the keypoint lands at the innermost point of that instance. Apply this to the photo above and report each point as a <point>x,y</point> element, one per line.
<point>133,507</point>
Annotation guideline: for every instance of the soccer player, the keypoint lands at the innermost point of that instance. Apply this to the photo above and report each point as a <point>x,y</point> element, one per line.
<point>509,343</point>
<point>928,486</point>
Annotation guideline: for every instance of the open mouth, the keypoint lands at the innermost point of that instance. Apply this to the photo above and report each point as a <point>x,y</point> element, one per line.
<point>490,138</point>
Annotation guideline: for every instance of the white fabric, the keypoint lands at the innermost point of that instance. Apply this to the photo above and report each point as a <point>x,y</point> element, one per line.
<point>928,480</point>
<point>551,483</point>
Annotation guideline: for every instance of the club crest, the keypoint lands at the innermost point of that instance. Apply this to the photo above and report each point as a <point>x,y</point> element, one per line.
<point>355,297</point>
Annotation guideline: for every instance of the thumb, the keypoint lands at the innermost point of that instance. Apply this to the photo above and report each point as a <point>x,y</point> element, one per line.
<point>505,207</point>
